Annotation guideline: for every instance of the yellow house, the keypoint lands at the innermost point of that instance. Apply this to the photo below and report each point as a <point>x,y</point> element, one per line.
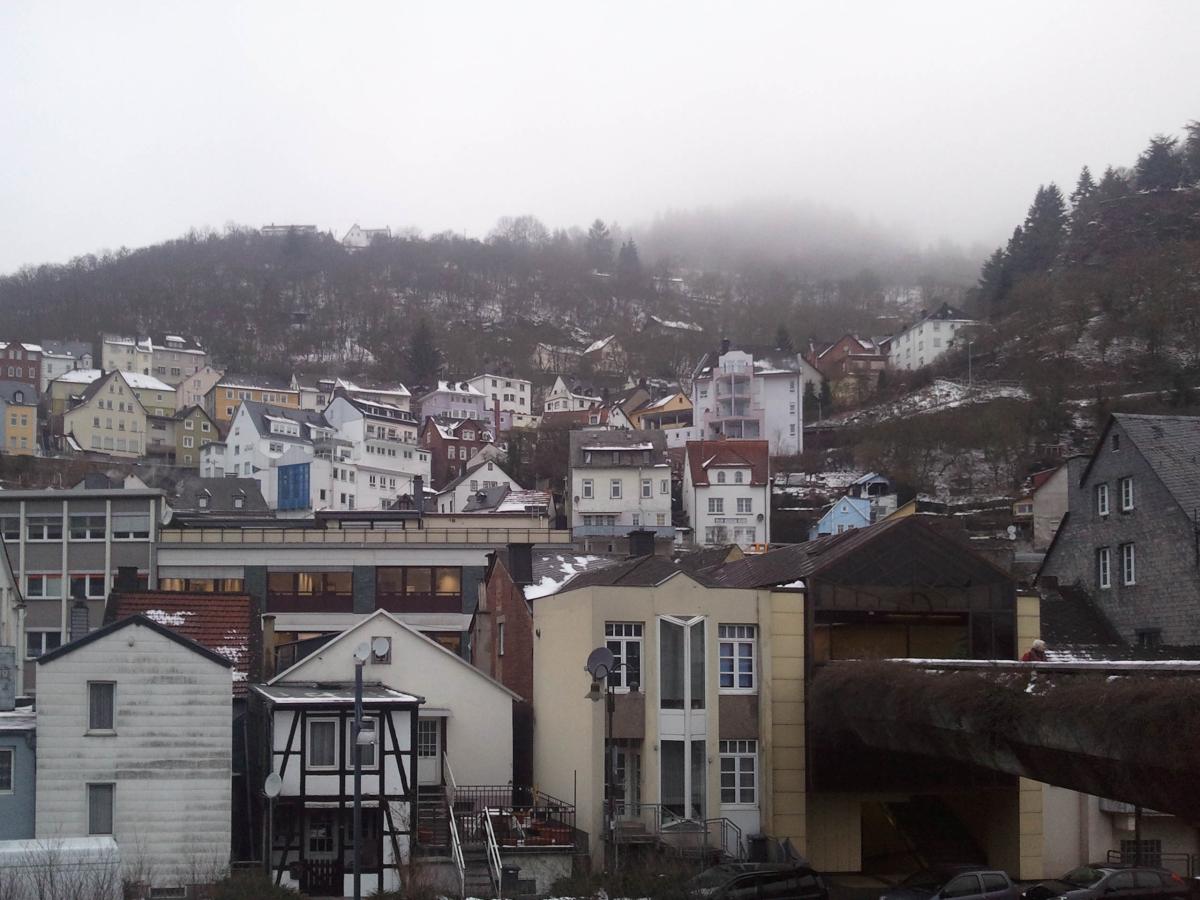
<point>18,419</point>
<point>673,411</point>
<point>68,389</point>
<point>108,418</point>
<point>223,398</point>
<point>708,712</point>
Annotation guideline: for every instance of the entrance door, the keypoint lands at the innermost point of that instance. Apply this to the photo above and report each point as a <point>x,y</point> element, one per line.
<point>429,751</point>
<point>627,783</point>
<point>322,873</point>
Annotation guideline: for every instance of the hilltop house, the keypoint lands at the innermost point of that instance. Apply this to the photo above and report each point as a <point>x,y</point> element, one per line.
<point>745,394</point>
<point>108,419</point>
<point>169,357</point>
<point>606,356</point>
<point>453,400</point>
<point>845,514</point>
<point>21,362</point>
<point>852,366</point>
<point>481,474</point>
<point>507,400</point>
<point>668,413</point>
<point>927,339</point>
<point>569,397</point>
<point>194,389</point>
<point>358,238</point>
<point>60,357</point>
<point>223,398</point>
<point>452,444</point>
<point>727,492</point>
<point>135,738</point>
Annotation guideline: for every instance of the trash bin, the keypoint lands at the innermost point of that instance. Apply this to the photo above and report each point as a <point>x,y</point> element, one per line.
<point>509,876</point>
<point>757,848</point>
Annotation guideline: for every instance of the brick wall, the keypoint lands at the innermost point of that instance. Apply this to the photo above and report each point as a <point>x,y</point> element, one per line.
<point>506,604</point>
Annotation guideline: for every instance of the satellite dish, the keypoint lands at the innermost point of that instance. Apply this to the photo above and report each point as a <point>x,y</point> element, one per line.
<point>381,647</point>
<point>362,652</point>
<point>599,663</point>
<point>272,785</point>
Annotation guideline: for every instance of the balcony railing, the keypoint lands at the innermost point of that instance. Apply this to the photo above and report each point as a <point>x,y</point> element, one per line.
<point>660,531</point>
<point>642,823</point>
<point>521,817</point>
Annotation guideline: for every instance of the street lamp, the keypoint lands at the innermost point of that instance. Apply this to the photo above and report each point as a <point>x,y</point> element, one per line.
<point>363,737</point>
<point>600,664</point>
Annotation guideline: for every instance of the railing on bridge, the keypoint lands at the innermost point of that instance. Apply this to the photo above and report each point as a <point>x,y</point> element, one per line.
<point>360,535</point>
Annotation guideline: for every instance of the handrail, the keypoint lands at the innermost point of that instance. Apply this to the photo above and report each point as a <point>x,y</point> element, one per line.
<point>456,852</point>
<point>729,829</point>
<point>495,872</point>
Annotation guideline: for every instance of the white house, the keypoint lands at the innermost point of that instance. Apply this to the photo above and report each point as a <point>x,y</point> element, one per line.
<point>620,482</point>
<point>60,357</point>
<point>482,473</point>
<point>740,395</point>
<point>135,737</point>
<point>564,397</point>
<point>928,338</point>
<point>511,397</point>
<point>727,492</point>
<point>358,238</point>
<point>431,708</point>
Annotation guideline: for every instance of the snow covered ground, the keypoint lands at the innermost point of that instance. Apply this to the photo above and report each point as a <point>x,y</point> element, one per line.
<point>943,394</point>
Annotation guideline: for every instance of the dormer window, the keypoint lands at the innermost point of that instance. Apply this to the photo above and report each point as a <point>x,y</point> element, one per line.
<point>738,476</point>
<point>239,500</point>
<point>203,500</point>
<point>720,478</point>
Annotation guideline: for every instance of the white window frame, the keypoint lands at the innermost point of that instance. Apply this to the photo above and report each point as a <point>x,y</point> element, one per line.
<point>1125,486</point>
<point>1104,567</point>
<point>731,639</point>
<point>308,744</point>
<point>745,506</point>
<point>589,489</point>
<point>1128,564</point>
<point>373,762</point>
<point>647,488</point>
<point>614,489</point>
<point>1102,504</point>
<point>625,635</point>
<point>112,811</point>
<point>716,506</point>
<point>43,632</point>
<point>111,728</point>
<point>738,758</point>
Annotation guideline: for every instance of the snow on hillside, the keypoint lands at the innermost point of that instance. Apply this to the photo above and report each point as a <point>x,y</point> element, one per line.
<point>943,394</point>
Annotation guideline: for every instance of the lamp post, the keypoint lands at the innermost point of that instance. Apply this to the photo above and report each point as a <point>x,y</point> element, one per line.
<point>360,657</point>
<point>970,380</point>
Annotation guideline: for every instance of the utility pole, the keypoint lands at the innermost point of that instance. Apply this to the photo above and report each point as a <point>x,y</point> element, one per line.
<point>360,659</point>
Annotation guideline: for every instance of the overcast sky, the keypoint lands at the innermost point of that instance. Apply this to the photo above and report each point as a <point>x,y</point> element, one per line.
<point>122,124</point>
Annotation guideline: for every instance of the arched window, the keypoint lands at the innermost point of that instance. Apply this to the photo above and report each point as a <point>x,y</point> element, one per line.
<point>720,478</point>
<point>737,476</point>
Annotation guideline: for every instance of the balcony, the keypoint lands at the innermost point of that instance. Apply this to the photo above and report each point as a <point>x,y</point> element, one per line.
<point>660,531</point>
<point>359,536</point>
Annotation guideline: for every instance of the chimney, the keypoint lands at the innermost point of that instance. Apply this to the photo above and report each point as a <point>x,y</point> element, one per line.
<point>641,542</point>
<point>520,563</point>
<point>268,645</point>
<point>724,346</point>
<point>418,489</point>
<point>126,579</point>
<point>78,623</point>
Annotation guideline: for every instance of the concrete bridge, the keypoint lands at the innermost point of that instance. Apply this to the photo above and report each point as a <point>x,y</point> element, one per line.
<point>1128,731</point>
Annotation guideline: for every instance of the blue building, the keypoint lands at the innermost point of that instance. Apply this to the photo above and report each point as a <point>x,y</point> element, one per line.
<point>17,780</point>
<point>844,515</point>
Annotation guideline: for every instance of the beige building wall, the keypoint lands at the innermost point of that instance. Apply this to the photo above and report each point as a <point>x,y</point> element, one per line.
<point>111,431</point>
<point>786,739</point>
<point>569,730</point>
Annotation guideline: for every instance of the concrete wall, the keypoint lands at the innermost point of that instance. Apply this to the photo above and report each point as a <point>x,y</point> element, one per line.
<point>170,755</point>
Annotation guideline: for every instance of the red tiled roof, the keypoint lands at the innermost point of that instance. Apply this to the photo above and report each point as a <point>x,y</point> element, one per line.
<point>703,455</point>
<point>221,622</point>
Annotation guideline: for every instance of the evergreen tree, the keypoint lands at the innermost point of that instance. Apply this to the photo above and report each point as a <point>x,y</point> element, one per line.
<point>826,401</point>
<point>1191,152</point>
<point>1160,167</point>
<point>1041,237</point>
<point>599,245</point>
<point>1113,186</point>
<point>629,265</point>
<point>423,358</point>
<point>1084,187</point>
<point>783,340</point>
<point>996,277</point>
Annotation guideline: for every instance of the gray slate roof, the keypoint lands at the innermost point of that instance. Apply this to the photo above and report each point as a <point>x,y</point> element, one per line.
<point>1171,446</point>
<point>221,494</point>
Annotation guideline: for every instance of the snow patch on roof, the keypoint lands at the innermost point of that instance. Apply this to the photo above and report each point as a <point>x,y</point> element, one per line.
<point>162,617</point>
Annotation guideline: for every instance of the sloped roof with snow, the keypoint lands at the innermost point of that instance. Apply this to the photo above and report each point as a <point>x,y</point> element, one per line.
<point>135,380</point>
<point>705,455</point>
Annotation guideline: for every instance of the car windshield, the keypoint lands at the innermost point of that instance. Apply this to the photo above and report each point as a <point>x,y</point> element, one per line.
<point>1084,875</point>
<point>926,879</point>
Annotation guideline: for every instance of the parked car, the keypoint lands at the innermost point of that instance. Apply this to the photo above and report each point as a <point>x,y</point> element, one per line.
<point>1112,882</point>
<point>759,881</point>
<point>955,883</point>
